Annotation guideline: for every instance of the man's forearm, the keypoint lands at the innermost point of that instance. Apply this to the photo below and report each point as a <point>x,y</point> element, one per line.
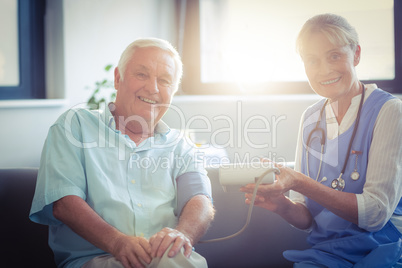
<point>82,219</point>
<point>196,217</point>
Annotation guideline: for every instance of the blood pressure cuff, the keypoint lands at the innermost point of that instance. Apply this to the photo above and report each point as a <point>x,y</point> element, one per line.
<point>189,185</point>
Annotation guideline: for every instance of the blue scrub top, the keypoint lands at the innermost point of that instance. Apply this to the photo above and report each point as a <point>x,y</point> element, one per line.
<point>337,242</point>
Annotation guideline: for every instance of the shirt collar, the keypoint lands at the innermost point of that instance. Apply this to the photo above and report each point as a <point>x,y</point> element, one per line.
<point>333,128</point>
<point>160,128</point>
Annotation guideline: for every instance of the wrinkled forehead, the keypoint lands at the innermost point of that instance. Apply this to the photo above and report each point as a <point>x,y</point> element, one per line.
<point>153,59</point>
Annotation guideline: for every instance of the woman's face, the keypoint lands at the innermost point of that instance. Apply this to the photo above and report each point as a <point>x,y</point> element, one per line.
<point>330,68</point>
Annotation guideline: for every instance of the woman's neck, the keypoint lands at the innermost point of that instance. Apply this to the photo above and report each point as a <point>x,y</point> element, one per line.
<point>341,105</point>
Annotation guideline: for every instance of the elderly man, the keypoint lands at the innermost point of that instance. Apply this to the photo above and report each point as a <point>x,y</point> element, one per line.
<point>116,186</point>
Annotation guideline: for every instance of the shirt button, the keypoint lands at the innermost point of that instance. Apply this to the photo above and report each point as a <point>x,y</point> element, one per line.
<point>141,234</point>
<point>139,205</point>
<point>133,181</point>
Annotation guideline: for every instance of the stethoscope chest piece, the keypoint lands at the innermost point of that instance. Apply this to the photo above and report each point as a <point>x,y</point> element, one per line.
<point>338,184</point>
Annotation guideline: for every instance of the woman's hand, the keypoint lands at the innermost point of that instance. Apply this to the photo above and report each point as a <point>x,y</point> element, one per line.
<point>272,196</point>
<point>272,203</point>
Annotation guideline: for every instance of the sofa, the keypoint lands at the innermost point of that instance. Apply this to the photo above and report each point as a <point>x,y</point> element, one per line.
<point>24,243</point>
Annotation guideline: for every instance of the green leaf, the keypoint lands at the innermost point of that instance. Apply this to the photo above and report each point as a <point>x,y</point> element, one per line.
<point>91,100</point>
<point>108,67</point>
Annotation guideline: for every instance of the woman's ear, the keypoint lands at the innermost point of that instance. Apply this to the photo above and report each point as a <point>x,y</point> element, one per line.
<point>116,78</point>
<point>357,55</point>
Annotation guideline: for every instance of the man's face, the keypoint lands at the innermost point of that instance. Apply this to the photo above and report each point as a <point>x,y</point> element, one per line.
<point>148,85</point>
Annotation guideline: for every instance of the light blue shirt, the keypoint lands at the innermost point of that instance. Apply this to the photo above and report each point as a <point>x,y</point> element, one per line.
<point>133,188</point>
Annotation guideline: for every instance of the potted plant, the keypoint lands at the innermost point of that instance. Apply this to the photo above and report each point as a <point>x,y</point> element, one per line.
<point>103,91</point>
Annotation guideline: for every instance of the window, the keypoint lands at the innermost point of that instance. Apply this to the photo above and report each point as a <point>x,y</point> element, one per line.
<point>22,73</point>
<point>248,47</point>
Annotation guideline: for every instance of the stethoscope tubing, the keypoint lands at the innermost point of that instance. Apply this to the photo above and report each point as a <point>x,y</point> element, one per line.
<point>323,138</point>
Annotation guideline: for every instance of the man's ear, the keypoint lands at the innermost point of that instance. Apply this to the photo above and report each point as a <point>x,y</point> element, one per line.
<point>116,78</point>
<point>357,55</point>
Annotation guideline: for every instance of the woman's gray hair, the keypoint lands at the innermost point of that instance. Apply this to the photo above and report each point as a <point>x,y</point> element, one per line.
<point>151,42</point>
<point>336,28</point>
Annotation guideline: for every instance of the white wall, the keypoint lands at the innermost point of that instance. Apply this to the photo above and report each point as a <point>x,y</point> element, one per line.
<point>97,31</point>
<point>248,127</point>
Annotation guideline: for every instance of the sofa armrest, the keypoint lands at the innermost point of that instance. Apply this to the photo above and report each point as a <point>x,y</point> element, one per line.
<point>24,242</point>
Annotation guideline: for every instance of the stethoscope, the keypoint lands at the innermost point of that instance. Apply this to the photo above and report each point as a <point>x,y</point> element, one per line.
<point>338,183</point>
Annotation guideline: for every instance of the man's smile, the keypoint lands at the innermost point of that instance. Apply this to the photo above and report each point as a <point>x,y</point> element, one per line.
<point>147,100</point>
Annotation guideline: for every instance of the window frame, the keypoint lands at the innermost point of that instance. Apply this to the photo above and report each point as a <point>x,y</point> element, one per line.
<point>31,53</point>
<point>191,57</point>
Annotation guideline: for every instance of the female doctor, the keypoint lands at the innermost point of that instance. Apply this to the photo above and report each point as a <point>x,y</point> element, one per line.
<point>346,187</point>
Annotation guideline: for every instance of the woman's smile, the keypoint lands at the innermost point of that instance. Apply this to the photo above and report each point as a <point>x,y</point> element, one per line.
<point>329,82</point>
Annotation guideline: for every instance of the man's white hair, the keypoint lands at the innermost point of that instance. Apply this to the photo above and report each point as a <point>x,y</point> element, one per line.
<point>151,42</point>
